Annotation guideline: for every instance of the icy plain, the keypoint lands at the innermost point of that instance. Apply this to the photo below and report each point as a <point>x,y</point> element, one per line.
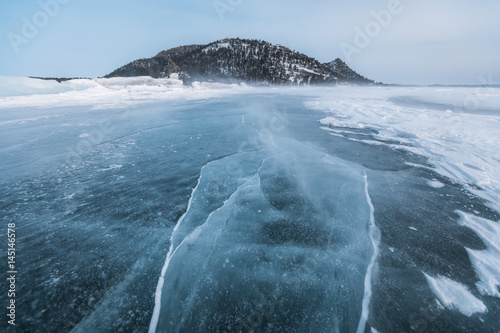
<point>142,205</point>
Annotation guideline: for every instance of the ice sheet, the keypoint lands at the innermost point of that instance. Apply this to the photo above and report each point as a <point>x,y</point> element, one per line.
<point>164,137</point>
<point>272,235</point>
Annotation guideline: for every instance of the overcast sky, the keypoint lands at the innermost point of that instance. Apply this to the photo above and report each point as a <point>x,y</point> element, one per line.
<point>419,41</point>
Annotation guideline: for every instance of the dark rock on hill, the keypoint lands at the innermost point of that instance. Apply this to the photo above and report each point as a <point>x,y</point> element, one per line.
<point>346,72</point>
<point>241,60</point>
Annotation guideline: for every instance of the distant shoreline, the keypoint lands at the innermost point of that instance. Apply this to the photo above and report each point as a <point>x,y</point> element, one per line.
<point>436,85</point>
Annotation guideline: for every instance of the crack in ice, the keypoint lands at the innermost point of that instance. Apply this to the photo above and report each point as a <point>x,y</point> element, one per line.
<point>172,251</point>
<point>375,237</point>
<point>161,280</point>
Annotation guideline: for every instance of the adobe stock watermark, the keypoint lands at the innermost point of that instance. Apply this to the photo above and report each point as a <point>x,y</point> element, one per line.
<point>363,37</point>
<point>224,6</point>
<point>473,102</point>
<point>31,26</point>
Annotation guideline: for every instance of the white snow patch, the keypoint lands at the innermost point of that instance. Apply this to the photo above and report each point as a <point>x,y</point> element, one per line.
<point>420,166</point>
<point>112,167</point>
<point>307,70</point>
<point>487,262</point>
<point>454,295</point>
<point>217,47</point>
<point>446,138</point>
<point>436,184</point>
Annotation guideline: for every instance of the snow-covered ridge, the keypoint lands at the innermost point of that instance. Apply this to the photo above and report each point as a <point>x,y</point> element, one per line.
<point>23,86</point>
<point>104,92</point>
<point>216,47</point>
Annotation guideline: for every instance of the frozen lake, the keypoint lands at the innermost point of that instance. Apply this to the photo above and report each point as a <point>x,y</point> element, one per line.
<point>265,210</point>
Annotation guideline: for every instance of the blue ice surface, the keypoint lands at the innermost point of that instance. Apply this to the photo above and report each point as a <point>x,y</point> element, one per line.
<point>284,220</point>
<point>259,220</point>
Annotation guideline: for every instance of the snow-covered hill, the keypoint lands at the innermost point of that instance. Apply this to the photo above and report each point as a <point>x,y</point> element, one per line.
<point>245,60</point>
